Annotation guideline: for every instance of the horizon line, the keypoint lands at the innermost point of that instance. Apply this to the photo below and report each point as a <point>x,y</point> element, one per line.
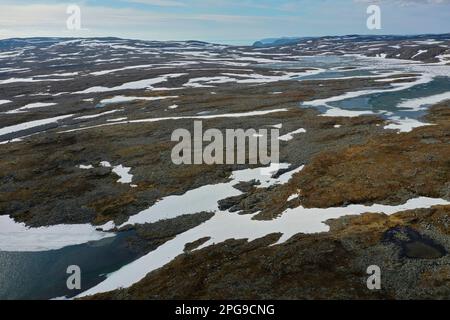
<point>216,41</point>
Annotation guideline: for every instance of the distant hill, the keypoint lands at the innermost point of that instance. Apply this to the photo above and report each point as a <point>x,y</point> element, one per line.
<point>276,42</point>
<point>284,41</point>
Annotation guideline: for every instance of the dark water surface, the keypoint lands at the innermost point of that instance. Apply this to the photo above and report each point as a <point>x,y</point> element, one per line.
<point>42,275</point>
<point>388,101</point>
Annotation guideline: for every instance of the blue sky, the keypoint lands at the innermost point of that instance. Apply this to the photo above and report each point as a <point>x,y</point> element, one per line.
<point>224,21</point>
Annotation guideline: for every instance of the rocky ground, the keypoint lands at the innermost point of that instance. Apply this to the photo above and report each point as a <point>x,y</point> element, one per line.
<point>42,184</point>
<point>411,247</point>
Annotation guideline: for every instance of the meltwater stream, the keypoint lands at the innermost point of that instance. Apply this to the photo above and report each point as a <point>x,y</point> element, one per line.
<point>406,102</point>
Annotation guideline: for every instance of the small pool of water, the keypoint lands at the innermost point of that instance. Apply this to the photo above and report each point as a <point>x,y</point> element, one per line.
<point>388,102</point>
<point>42,275</point>
<point>383,100</point>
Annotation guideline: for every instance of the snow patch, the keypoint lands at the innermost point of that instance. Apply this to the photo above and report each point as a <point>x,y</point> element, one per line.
<point>16,236</point>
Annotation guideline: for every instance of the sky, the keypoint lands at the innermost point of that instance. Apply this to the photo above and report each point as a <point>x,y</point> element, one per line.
<point>220,21</point>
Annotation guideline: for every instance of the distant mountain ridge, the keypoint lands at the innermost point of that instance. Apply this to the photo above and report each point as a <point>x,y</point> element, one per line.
<point>283,41</point>
<point>278,41</point>
<point>12,43</point>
